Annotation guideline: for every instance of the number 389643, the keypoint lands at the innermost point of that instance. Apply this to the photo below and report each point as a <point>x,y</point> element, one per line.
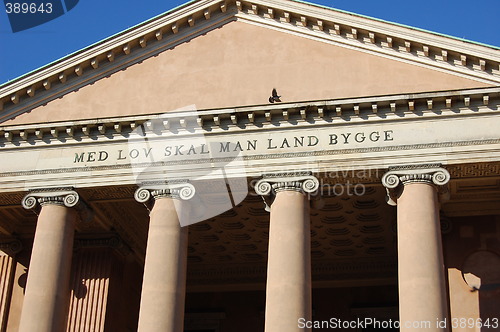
<point>28,8</point>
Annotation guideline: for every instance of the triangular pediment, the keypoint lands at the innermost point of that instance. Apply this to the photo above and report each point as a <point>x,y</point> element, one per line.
<point>210,55</point>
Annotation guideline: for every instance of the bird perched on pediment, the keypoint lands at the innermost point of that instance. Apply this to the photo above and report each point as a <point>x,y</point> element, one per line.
<point>274,97</point>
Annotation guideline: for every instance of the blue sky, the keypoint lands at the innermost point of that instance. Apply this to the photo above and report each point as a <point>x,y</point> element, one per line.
<point>93,20</point>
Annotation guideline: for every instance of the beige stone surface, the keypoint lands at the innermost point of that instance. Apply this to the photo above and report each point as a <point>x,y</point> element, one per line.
<point>164,284</point>
<point>239,64</point>
<point>7,270</point>
<point>288,293</point>
<point>17,298</point>
<point>463,302</point>
<point>422,290</point>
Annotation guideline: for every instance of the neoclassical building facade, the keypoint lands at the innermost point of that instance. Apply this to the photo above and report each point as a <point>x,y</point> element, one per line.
<point>152,182</point>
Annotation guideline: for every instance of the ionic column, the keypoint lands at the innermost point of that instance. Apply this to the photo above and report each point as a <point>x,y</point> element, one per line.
<point>288,290</point>
<point>47,290</point>
<point>422,290</point>
<point>164,283</point>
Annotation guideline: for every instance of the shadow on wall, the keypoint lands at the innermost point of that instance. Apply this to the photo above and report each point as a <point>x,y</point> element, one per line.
<point>473,248</point>
<point>481,271</point>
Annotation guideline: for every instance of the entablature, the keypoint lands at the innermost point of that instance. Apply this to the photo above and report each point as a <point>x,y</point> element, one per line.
<point>450,127</point>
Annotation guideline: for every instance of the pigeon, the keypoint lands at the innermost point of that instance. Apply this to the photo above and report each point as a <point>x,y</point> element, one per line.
<point>274,97</point>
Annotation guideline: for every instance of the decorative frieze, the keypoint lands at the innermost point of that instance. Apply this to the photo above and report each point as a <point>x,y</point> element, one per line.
<point>112,241</point>
<point>403,175</point>
<point>11,246</point>
<point>102,242</point>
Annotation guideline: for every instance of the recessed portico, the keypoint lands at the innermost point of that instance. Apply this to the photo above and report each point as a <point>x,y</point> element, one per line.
<point>347,237</point>
<point>353,242</point>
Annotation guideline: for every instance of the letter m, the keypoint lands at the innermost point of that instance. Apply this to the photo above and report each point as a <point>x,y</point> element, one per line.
<point>79,158</point>
<point>224,148</point>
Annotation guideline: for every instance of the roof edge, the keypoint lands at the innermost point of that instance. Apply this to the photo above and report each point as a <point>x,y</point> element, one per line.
<point>194,1</point>
<point>479,61</point>
<point>400,24</point>
<point>119,33</point>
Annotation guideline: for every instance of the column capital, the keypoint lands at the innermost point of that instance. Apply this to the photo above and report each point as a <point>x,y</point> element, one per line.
<point>428,173</point>
<point>274,183</point>
<point>64,196</point>
<point>432,174</point>
<point>57,196</point>
<point>179,190</point>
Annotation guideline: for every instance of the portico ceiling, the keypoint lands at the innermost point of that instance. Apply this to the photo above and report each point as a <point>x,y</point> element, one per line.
<point>353,229</point>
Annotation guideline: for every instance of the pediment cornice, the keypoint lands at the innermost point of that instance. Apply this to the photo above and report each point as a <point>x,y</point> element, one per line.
<point>458,57</point>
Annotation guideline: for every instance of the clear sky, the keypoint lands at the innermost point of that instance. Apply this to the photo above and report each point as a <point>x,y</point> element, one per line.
<point>93,20</point>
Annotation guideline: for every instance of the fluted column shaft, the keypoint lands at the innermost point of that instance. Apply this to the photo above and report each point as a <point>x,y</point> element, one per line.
<point>164,283</point>
<point>46,298</point>
<point>422,287</point>
<point>9,248</point>
<point>288,289</point>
